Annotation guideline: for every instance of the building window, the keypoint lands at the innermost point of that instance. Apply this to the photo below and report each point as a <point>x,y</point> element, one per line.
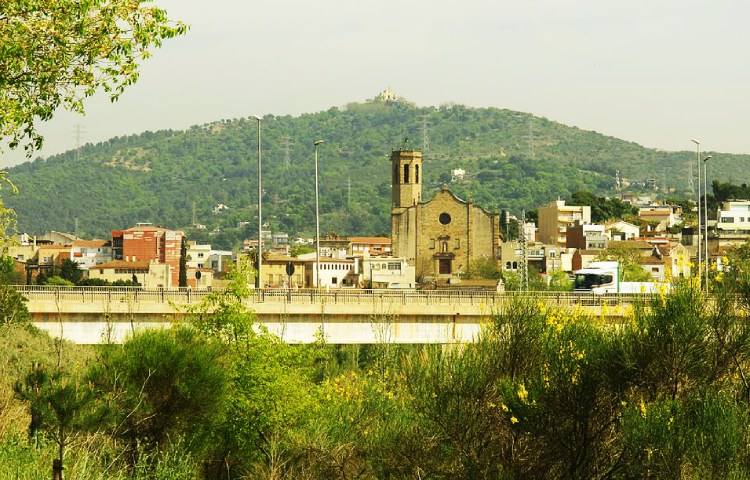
<point>335,280</point>
<point>416,173</point>
<point>432,243</point>
<point>458,243</point>
<point>394,266</point>
<point>444,218</point>
<point>507,265</point>
<point>406,173</point>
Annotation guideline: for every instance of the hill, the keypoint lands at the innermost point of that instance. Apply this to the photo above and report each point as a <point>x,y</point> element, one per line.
<point>512,160</point>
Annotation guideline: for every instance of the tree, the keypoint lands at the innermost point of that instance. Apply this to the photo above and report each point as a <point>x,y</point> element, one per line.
<point>55,53</point>
<point>162,386</point>
<point>59,406</point>
<point>71,271</point>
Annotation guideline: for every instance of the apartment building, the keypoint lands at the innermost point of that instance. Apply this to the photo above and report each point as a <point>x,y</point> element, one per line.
<point>555,220</point>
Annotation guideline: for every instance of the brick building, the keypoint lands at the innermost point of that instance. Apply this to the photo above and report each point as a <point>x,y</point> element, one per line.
<point>147,242</point>
<point>442,236</point>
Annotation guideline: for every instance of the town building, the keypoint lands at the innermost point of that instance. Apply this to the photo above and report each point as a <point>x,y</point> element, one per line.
<point>361,246</point>
<point>334,272</point>
<point>733,218</point>
<point>147,273</point>
<point>659,217</point>
<point>275,274</point>
<point>555,219</point>
<point>620,230</point>
<point>146,242</point>
<point>441,237</point>
<point>586,237</point>
<point>387,272</point>
<point>87,253</point>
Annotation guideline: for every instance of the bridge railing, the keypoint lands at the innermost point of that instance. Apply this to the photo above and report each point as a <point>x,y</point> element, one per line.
<point>316,297</point>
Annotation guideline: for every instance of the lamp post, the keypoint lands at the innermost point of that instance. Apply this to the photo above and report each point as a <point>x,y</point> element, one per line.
<point>700,249</point>
<point>705,214</point>
<point>259,280</point>
<point>317,219</point>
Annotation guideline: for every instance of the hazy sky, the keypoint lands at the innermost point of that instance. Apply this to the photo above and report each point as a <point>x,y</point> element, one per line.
<point>656,72</point>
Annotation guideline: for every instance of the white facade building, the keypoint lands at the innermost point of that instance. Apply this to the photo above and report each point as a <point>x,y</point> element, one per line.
<point>734,217</point>
<point>388,272</point>
<point>87,253</point>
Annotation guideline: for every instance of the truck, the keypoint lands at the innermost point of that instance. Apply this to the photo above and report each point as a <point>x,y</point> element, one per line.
<point>604,277</point>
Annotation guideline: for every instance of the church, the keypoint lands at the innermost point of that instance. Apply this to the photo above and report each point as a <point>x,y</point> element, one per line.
<point>442,236</point>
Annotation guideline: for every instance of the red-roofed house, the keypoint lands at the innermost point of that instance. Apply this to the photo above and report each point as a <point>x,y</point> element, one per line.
<point>148,273</point>
<point>87,253</point>
<point>147,242</point>
<point>374,246</point>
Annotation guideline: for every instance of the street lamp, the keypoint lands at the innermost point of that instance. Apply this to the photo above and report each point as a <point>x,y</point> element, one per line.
<point>705,213</point>
<point>317,219</point>
<point>700,249</point>
<point>259,281</point>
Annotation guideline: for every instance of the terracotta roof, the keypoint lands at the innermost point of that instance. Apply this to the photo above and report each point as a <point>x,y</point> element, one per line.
<point>384,240</point>
<point>138,264</point>
<point>54,247</point>
<point>640,244</point>
<point>652,213</point>
<point>650,261</point>
<point>91,243</point>
<point>275,257</point>
<point>331,260</point>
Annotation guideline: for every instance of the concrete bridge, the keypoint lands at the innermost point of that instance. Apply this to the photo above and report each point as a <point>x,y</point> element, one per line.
<point>90,315</point>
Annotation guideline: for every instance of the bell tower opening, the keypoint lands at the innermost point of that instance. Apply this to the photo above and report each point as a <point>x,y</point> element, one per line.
<point>406,190</point>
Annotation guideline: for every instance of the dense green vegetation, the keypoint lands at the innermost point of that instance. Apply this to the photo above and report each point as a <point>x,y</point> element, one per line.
<point>545,393</point>
<point>513,161</point>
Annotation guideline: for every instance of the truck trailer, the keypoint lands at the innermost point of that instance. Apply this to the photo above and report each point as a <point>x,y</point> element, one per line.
<point>604,277</point>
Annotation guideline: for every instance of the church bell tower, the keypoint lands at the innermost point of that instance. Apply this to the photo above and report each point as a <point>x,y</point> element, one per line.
<point>406,172</point>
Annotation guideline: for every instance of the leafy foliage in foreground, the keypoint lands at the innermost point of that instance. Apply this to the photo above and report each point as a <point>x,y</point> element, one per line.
<point>547,392</point>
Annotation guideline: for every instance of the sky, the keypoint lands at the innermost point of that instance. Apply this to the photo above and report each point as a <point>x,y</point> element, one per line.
<point>655,72</point>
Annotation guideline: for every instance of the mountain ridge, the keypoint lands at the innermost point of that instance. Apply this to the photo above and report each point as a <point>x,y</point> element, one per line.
<point>513,161</point>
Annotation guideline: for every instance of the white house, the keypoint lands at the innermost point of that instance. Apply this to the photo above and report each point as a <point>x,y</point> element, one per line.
<point>87,253</point>
<point>388,272</point>
<point>334,272</point>
<point>621,230</point>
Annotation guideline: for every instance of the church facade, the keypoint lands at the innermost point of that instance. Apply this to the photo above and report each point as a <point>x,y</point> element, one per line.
<point>442,236</point>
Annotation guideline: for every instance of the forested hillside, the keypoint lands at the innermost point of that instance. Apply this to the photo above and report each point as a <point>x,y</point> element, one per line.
<point>513,161</point>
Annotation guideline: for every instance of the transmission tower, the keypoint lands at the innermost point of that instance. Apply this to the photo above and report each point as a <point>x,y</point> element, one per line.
<point>691,185</point>
<point>78,133</point>
<point>287,152</point>
<point>425,134</point>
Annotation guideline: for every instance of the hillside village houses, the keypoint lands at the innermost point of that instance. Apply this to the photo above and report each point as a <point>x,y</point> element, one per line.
<point>434,241</point>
